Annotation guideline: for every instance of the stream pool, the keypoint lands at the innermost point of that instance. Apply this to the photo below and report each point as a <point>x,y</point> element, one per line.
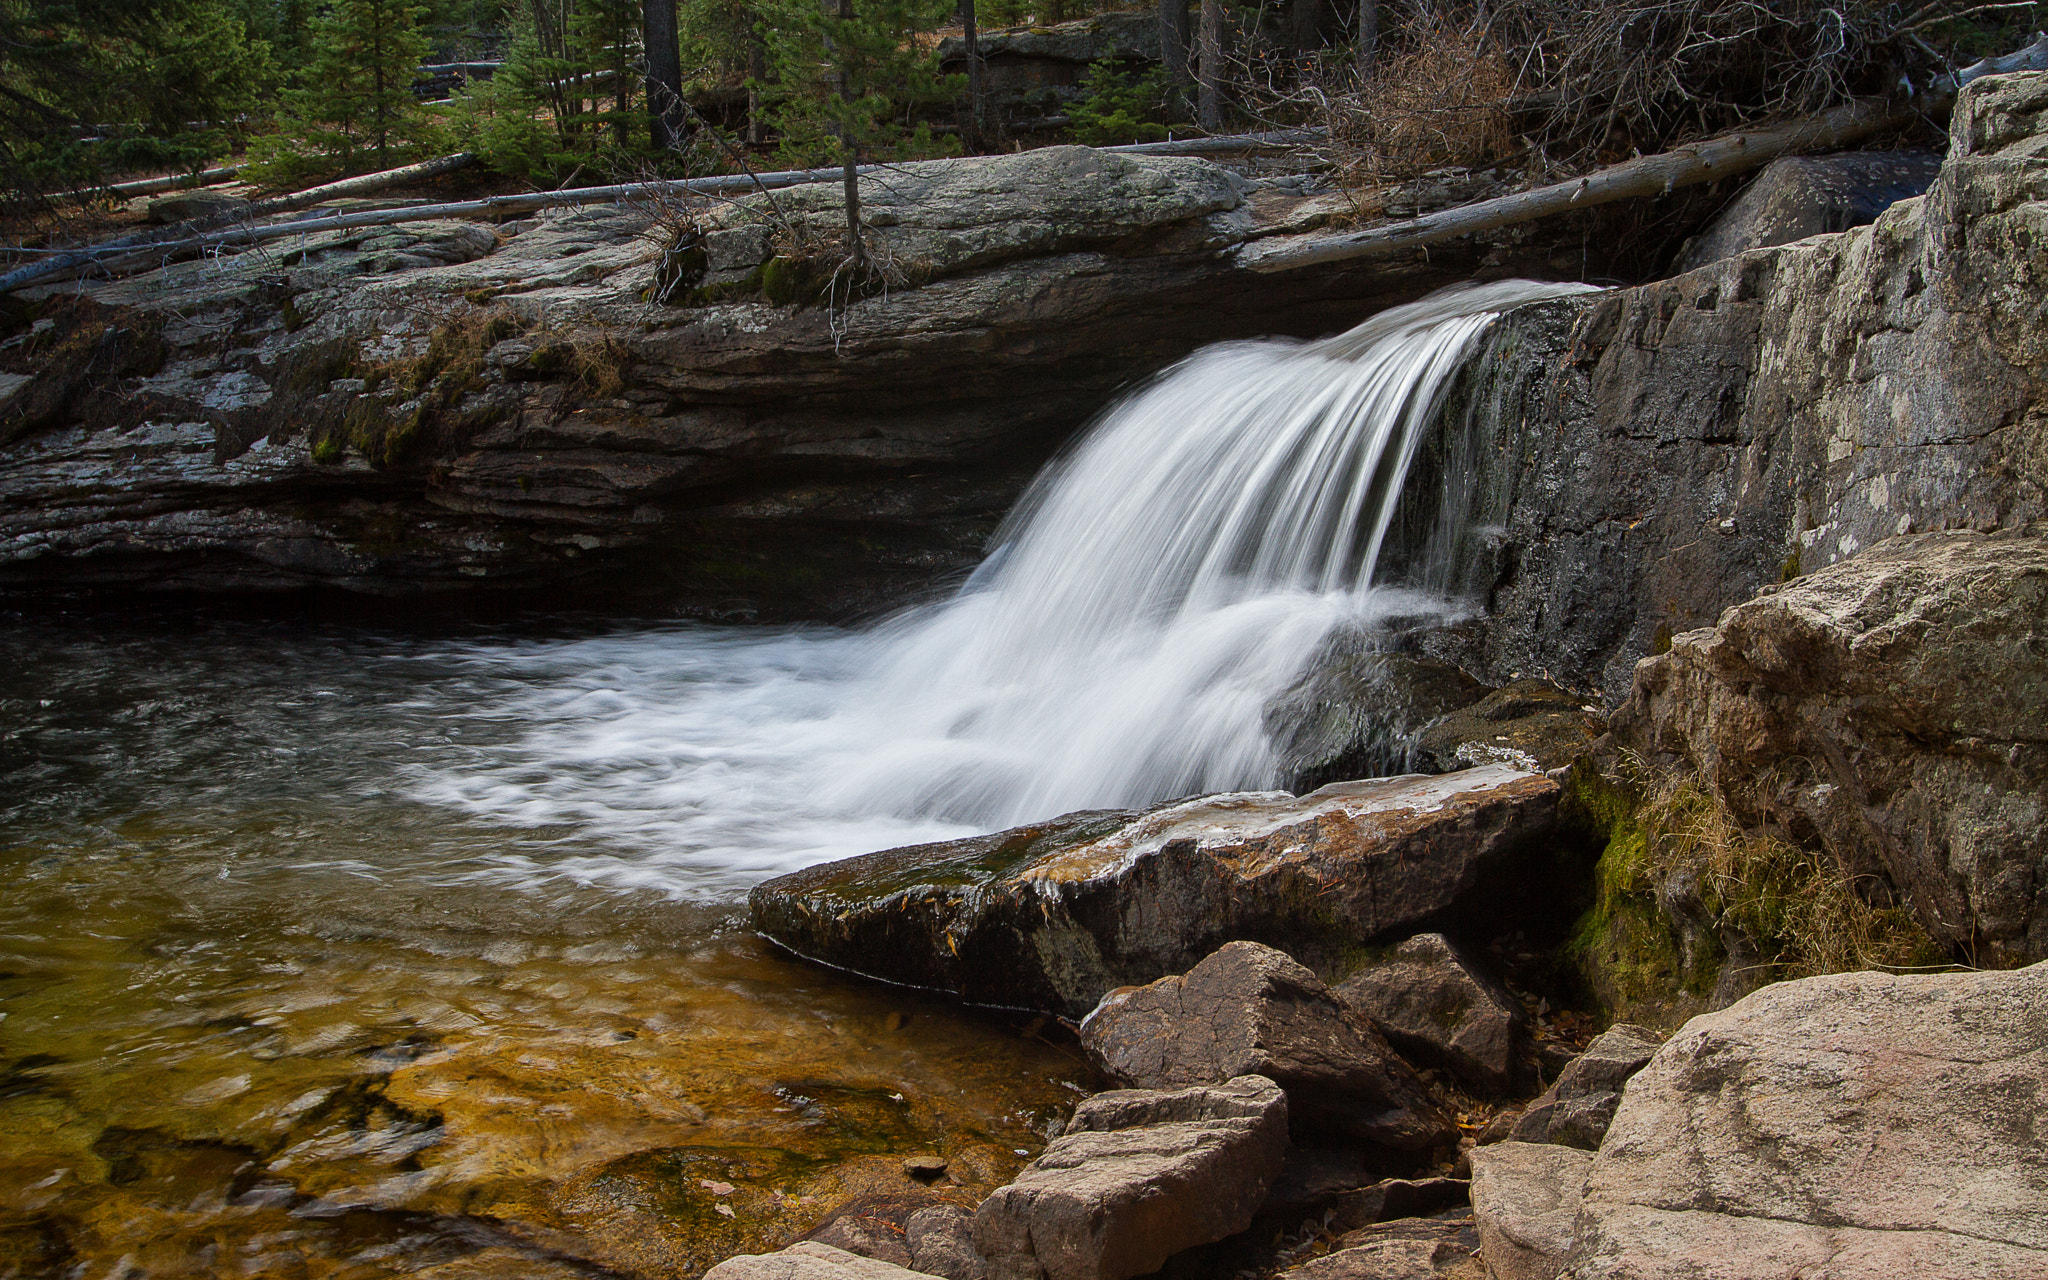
<point>321,956</point>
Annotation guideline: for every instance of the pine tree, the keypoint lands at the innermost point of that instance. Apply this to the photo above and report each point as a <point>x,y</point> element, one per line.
<point>357,99</point>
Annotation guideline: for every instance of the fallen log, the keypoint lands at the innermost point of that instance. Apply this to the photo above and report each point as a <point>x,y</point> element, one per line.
<point>152,186</point>
<point>182,235</point>
<point>1650,176</point>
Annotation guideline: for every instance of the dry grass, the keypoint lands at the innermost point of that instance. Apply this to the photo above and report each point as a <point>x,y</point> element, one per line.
<point>1803,913</point>
<point>1443,102</point>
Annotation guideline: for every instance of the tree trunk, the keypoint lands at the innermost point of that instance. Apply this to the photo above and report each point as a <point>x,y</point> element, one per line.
<point>1210,110</point>
<point>968,37</point>
<point>757,74</point>
<point>849,154</point>
<point>1368,38</point>
<point>1173,46</point>
<point>1305,27</point>
<point>664,75</point>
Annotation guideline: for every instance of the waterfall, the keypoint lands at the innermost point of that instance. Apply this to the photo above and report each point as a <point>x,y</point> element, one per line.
<point>1155,589</point>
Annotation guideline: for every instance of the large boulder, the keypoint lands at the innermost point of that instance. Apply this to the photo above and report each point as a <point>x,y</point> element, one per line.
<point>1056,915</point>
<point>1439,1005</point>
<point>1800,196</point>
<point>1250,1010</point>
<point>1861,1125</point>
<point>1887,710</point>
<point>1137,1177</point>
<point>1525,1199</point>
<point>1577,1108</point>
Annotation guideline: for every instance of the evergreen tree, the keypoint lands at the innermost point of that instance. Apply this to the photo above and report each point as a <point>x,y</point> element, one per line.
<point>356,103</point>
<point>849,81</point>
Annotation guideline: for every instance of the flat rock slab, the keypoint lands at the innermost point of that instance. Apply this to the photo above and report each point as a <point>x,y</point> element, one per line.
<point>1138,1176</point>
<point>1054,916</point>
<point>1251,1010</point>
<point>1404,1249</point>
<point>1859,1125</point>
<point>808,1260</point>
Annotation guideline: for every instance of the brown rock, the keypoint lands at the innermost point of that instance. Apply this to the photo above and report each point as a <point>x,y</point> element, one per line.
<point>1864,1126</point>
<point>807,1260</point>
<point>1885,710</point>
<point>1530,724</point>
<point>1250,1010</point>
<point>1056,915</point>
<point>1137,1177</point>
<point>1525,1198</point>
<point>1438,1005</point>
<point>1403,1249</point>
<point>941,1239</point>
<point>1576,1109</point>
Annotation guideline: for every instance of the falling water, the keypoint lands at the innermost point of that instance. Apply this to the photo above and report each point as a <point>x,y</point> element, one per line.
<point>1153,591</point>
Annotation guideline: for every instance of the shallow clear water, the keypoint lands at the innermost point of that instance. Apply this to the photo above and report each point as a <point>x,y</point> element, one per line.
<point>266,1007</point>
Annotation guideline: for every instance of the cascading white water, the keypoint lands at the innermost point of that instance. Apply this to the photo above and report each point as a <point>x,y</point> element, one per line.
<point>1154,590</point>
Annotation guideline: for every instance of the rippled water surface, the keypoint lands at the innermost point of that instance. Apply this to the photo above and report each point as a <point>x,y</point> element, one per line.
<point>308,967</point>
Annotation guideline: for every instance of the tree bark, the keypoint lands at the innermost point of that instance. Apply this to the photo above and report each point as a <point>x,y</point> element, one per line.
<point>1173,44</point>
<point>1650,176</point>
<point>1305,27</point>
<point>757,75</point>
<point>1209,111</point>
<point>1368,39</point>
<point>976,114</point>
<point>664,74</point>
<point>850,154</point>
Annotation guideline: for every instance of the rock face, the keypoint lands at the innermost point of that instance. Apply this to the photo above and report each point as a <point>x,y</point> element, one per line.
<point>1888,710</point>
<point>1639,461</point>
<point>1137,1177</point>
<point>1800,196</point>
<point>1525,1198</point>
<point>1859,1125</point>
<point>1577,1108</point>
<point>451,407</point>
<point>1250,1010</point>
<point>1406,1249</point>
<point>1056,915</point>
<point>1438,1005</point>
<point>1040,68</point>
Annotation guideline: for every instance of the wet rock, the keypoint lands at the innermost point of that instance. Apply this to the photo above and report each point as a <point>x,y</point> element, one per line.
<point>554,428</point>
<point>1525,1199</point>
<point>1439,1005</point>
<point>1403,1249</point>
<point>1137,1177</point>
<point>1633,463</point>
<point>941,1240</point>
<point>874,1225</point>
<point>1053,916</point>
<point>1357,715</point>
<point>1530,724</point>
<point>1251,1010</point>
<point>1887,711</point>
<point>925,1168</point>
<point>807,1260</point>
<point>1800,196</point>
<point>1577,1108</point>
<point>1863,1124</point>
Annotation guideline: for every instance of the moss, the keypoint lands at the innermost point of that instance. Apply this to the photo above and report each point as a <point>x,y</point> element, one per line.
<point>1790,569</point>
<point>788,282</point>
<point>1661,641</point>
<point>327,452</point>
<point>293,321</point>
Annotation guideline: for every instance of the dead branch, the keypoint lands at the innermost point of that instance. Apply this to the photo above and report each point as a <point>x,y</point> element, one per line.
<point>1651,176</point>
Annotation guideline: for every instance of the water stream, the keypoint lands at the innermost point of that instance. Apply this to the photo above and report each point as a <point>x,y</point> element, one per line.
<point>339,952</point>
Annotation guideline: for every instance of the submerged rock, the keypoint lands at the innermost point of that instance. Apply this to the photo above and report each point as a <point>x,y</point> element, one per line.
<point>1438,1005</point>
<point>1861,1125</point>
<point>1137,1177</point>
<point>1887,710</point>
<point>807,1260</point>
<point>1250,1010</point>
<point>1054,916</point>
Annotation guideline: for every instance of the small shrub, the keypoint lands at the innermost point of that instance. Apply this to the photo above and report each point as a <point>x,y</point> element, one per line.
<point>1117,106</point>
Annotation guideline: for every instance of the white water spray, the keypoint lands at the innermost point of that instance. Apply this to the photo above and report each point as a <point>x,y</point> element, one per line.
<point>1153,591</point>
